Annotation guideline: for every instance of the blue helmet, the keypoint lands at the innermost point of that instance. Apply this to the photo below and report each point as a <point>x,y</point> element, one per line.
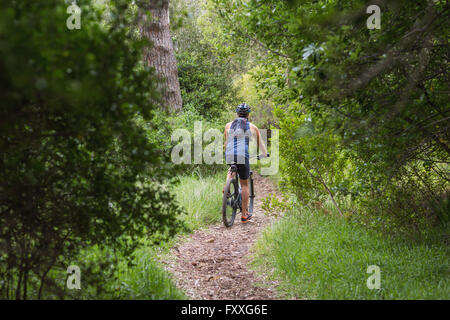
<point>243,109</point>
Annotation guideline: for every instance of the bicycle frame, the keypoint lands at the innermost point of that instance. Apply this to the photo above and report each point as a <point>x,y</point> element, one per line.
<point>251,191</point>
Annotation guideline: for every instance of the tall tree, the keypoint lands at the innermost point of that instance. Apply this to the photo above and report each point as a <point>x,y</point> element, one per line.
<point>161,55</point>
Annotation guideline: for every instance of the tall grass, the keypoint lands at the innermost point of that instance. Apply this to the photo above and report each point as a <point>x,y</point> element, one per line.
<point>108,274</point>
<point>201,197</point>
<point>147,280</point>
<point>316,256</point>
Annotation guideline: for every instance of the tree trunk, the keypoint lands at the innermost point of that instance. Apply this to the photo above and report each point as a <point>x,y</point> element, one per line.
<point>161,55</point>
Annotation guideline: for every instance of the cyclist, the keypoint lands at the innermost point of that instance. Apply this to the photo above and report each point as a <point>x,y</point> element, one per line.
<point>238,135</point>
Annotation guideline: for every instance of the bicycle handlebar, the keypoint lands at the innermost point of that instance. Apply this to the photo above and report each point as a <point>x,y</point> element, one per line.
<point>259,156</point>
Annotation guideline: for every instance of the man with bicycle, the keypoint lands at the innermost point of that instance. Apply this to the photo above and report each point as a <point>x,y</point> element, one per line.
<point>238,135</point>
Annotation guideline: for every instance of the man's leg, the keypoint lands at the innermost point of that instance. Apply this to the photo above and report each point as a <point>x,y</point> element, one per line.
<point>244,173</point>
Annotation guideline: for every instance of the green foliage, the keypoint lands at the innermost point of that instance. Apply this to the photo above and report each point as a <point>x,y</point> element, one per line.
<point>107,273</point>
<point>272,205</point>
<point>205,80</point>
<point>261,114</point>
<point>206,86</point>
<point>315,256</point>
<point>312,163</point>
<point>376,100</point>
<point>188,119</point>
<point>76,168</point>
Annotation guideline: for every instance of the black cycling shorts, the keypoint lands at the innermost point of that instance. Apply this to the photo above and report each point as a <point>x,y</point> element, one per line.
<point>243,170</point>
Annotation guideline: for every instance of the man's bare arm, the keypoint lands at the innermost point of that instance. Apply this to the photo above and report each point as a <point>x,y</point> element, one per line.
<point>260,142</point>
<point>225,137</point>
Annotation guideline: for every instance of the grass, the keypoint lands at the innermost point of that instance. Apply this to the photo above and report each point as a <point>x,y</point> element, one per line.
<point>147,280</point>
<point>316,256</point>
<point>201,197</point>
<point>107,274</point>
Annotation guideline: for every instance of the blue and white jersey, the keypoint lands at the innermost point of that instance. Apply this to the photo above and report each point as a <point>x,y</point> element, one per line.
<point>238,142</point>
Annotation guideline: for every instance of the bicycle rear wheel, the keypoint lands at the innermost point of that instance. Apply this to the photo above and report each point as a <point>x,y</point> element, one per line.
<point>230,202</point>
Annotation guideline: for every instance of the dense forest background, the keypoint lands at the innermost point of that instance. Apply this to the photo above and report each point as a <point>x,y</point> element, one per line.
<point>85,171</point>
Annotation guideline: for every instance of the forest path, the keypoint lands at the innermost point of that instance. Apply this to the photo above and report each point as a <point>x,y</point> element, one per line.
<point>213,263</point>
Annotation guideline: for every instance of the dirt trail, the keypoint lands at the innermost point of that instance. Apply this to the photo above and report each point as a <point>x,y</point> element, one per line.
<point>213,263</point>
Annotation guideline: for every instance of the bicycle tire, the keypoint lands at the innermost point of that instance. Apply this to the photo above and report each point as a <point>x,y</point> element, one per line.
<point>230,202</point>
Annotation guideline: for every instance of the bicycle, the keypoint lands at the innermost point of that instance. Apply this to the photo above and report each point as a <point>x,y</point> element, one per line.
<point>232,197</point>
